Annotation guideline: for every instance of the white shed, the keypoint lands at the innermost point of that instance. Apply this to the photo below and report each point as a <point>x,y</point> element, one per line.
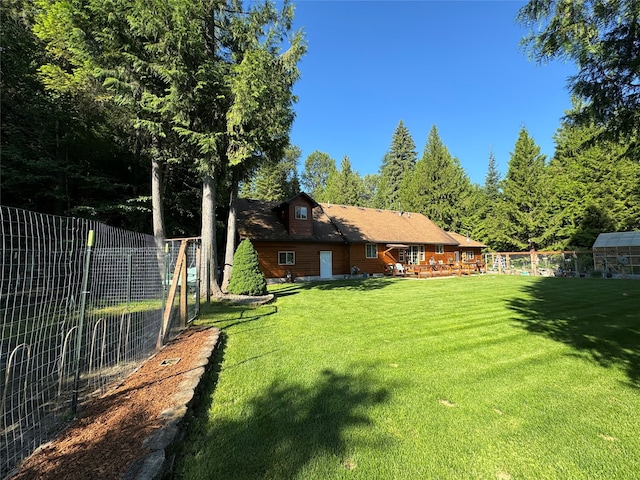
<point>618,252</point>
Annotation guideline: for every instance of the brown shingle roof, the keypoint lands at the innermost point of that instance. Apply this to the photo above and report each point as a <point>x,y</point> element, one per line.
<point>258,220</point>
<point>465,241</point>
<point>373,225</point>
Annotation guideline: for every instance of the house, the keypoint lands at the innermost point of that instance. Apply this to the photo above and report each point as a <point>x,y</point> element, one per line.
<point>309,240</point>
<point>467,250</point>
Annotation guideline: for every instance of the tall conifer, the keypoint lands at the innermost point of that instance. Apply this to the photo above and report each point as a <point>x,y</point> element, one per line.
<point>438,187</point>
<point>522,219</point>
<point>595,188</point>
<point>344,186</point>
<point>398,162</point>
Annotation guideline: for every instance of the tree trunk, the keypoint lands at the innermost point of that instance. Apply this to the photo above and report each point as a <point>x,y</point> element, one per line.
<point>209,264</point>
<point>231,231</point>
<point>157,211</point>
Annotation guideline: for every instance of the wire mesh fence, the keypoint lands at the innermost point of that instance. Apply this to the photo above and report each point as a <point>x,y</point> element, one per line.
<point>75,316</point>
<point>548,264</point>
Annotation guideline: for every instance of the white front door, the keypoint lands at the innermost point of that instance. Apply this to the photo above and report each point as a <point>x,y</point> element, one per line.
<point>457,256</point>
<point>326,268</point>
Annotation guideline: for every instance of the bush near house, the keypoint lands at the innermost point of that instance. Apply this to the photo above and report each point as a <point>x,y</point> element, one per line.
<point>246,277</point>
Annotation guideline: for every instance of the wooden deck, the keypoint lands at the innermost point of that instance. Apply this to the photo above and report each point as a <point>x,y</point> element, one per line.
<point>440,270</point>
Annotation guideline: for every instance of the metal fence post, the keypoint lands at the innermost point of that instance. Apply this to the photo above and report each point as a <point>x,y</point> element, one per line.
<point>83,303</point>
<point>129,276</point>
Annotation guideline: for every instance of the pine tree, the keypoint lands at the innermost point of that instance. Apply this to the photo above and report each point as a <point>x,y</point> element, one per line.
<point>344,186</point>
<point>246,277</point>
<point>397,163</point>
<point>492,180</point>
<point>438,187</point>
<point>275,182</point>
<point>488,206</point>
<point>523,214</point>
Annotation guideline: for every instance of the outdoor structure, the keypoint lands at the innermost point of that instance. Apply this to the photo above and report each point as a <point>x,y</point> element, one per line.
<point>300,238</point>
<point>617,253</point>
<point>83,305</point>
<point>545,263</point>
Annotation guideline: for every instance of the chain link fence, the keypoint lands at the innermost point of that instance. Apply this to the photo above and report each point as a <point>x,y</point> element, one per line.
<point>82,305</point>
<point>547,264</point>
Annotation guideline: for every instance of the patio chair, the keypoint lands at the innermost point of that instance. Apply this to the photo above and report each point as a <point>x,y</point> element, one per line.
<point>399,269</point>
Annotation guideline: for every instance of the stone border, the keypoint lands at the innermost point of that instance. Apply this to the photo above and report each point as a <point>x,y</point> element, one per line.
<point>246,299</point>
<point>154,465</point>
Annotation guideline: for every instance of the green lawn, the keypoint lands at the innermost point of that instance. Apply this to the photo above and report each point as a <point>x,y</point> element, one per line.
<point>490,377</point>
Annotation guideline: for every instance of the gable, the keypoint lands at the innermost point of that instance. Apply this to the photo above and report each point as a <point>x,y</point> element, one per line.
<point>265,221</point>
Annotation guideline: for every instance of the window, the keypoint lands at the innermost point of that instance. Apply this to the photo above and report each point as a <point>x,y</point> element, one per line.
<point>415,254</point>
<point>470,255</point>
<point>440,249</point>
<point>286,258</point>
<point>372,250</point>
<point>301,213</point>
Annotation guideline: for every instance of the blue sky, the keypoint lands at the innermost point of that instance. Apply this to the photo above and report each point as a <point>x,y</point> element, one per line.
<point>454,64</point>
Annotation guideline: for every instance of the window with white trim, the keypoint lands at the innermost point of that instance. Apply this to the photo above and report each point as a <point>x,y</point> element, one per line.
<point>286,258</point>
<point>371,250</point>
<point>440,249</point>
<point>301,213</point>
<point>415,254</point>
<point>470,255</point>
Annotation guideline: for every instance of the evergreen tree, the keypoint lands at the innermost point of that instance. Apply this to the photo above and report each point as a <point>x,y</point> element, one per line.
<point>246,278</point>
<point>438,187</point>
<point>492,180</point>
<point>261,112</point>
<point>488,207</point>
<point>275,182</point>
<point>369,190</point>
<point>602,38</point>
<point>207,73</point>
<point>317,168</point>
<point>62,140</point>
<point>595,187</point>
<point>344,186</point>
<point>397,163</point>
<point>523,212</point>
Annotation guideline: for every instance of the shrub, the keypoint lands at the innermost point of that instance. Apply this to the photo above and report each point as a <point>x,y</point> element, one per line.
<point>246,277</point>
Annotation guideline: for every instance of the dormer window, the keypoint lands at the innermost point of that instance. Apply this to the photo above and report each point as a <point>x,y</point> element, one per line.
<point>301,213</point>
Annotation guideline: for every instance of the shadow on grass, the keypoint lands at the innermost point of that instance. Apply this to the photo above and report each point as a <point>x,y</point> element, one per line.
<point>598,318</point>
<point>354,284</point>
<point>286,427</point>
<point>225,316</point>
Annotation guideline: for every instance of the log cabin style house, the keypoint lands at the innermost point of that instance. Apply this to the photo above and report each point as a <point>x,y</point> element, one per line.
<point>300,238</point>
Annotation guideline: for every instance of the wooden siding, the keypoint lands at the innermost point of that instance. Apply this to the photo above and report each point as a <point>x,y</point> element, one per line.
<point>298,226</point>
<point>357,256</point>
<point>307,262</point>
<point>449,254</point>
<point>344,258</point>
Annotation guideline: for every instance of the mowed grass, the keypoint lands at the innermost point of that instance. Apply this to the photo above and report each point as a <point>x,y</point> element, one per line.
<point>489,377</point>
